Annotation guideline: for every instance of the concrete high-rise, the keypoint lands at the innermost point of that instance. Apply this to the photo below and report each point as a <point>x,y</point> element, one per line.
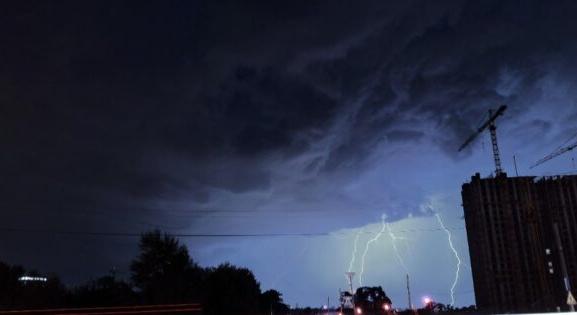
<point>514,257</point>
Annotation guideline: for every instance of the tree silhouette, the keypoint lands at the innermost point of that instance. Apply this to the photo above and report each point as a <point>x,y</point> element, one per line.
<point>164,272</point>
<point>271,302</point>
<point>231,290</point>
<point>9,285</point>
<point>105,291</point>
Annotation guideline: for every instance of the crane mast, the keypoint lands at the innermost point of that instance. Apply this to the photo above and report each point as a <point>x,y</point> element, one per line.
<point>489,124</point>
<point>496,155</point>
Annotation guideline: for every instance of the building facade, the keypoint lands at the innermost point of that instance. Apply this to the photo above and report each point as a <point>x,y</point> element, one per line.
<point>558,203</point>
<point>514,254</point>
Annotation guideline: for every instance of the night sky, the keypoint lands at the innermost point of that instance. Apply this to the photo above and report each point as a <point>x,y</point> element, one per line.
<point>310,119</point>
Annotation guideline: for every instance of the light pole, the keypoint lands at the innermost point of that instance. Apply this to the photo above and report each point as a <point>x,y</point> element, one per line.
<point>563,265</point>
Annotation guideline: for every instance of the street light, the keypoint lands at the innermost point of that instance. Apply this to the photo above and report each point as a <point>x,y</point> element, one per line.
<point>427,300</point>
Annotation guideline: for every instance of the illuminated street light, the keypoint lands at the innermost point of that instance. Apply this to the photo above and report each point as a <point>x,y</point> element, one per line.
<point>28,278</point>
<point>427,300</point>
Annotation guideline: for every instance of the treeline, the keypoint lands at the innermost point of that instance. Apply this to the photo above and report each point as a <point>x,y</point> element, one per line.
<point>163,273</point>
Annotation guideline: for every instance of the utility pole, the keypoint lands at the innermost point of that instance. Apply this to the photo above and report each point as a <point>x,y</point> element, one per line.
<point>409,293</point>
<point>563,264</point>
<point>515,163</point>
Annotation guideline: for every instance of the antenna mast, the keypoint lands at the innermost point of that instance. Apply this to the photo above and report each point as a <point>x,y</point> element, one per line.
<point>350,276</point>
<point>409,293</point>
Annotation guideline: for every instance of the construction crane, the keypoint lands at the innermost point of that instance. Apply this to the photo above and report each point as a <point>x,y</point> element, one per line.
<point>555,153</point>
<point>489,123</point>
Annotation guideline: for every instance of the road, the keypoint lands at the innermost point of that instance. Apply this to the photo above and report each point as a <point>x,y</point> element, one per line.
<point>122,310</point>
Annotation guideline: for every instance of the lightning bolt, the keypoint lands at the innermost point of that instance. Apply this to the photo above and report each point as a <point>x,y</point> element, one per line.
<point>456,257</point>
<point>369,242</point>
<point>354,254</point>
<point>394,238</point>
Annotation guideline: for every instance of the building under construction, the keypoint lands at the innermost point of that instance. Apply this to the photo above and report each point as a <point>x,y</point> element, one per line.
<point>522,234</point>
<point>515,226</point>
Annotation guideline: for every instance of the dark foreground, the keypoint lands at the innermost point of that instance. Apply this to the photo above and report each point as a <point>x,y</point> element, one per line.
<point>124,310</point>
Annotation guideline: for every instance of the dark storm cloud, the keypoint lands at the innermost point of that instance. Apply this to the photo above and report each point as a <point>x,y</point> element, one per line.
<point>125,79</point>
<point>446,67</point>
<point>536,126</point>
<point>113,84</point>
<point>404,135</point>
<point>107,106</point>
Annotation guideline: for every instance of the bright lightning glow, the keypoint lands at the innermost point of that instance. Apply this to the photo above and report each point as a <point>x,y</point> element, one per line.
<point>369,242</point>
<point>394,238</point>
<point>354,254</point>
<point>456,256</point>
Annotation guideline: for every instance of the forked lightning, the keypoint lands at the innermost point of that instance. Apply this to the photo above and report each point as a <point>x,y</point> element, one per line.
<point>456,257</point>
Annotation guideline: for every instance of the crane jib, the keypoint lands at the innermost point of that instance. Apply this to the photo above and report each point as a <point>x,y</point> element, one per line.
<point>486,124</point>
<point>492,128</point>
<point>491,119</point>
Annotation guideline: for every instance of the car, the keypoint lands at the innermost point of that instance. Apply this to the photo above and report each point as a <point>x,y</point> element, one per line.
<point>366,301</point>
